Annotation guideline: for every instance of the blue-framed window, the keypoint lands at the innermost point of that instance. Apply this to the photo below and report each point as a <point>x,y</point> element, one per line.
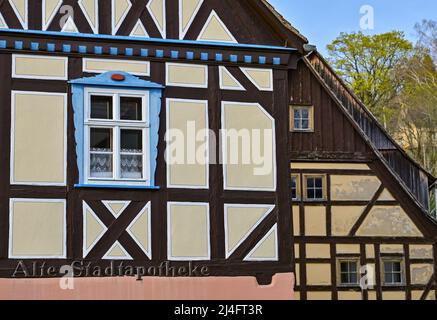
<point>116,130</point>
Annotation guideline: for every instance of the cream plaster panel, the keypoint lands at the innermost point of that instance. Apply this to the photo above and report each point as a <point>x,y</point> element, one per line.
<point>215,30</point>
<point>396,296</point>
<point>39,135</point>
<point>157,10</point>
<point>94,229</point>
<point>349,295</point>
<point>261,78</point>
<point>344,218</point>
<point>348,249</point>
<point>391,248</point>
<point>120,8</point>
<point>354,187</point>
<point>386,196</point>
<point>187,75</point>
<point>421,252</point>
<point>318,251</point>
<point>416,295</point>
<point>421,273</point>
<point>296,220</point>
<point>370,251</point>
<point>141,68</point>
<point>328,166</point>
<point>267,248</point>
<point>37,228</point>
<point>296,251</point>
<point>242,170</point>
<point>187,172</point>
<point>240,220</point>
<point>40,67</point>
<point>297,274</point>
<point>90,9</point>
<point>50,7</point>
<point>318,274</point>
<point>319,296</point>
<point>372,295</point>
<point>387,221</point>
<point>315,221</point>
<point>188,231</point>
<point>188,9</point>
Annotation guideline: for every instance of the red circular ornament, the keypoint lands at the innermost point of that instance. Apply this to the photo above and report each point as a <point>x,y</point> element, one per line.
<point>118,77</point>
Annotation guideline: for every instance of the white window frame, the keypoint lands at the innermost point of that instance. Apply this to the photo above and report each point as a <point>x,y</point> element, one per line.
<point>117,125</point>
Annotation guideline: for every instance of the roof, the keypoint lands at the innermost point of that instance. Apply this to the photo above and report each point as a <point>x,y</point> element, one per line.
<point>412,177</point>
<point>284,21</point>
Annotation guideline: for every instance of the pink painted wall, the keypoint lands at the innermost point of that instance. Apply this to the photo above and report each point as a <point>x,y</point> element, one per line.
<point>213,288</point>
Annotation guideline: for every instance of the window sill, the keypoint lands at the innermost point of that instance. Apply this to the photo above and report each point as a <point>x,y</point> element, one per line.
<point>108,186</point>
<point>302,131</point>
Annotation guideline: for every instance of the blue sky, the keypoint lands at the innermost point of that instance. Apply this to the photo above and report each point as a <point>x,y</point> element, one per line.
<point>321,21</point>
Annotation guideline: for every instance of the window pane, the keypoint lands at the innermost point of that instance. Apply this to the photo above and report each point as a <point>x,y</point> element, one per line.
<point>305,114</point>
<point>132,166</point>
<point>101,139</point>
<point>101,153</point>
<point>310,183</point>
<point>353,278</point>
<point>297,114</point>
<point>297,124</point>
<point>344,267</point>
<point>319,194</point>
<point>131,108</point>
<point>396,266</point>
<point>387,267</point>
<point>397,278</point>
<point>101,165</point>
<point>101,107</point>
<point>353,267</point>
<point>344,278</point>
<point>305,124</point>
<point>319,183</point>
<point>388,278</point>
<point>293,182</point>
<point>311,194</point>
<point>131,141</point>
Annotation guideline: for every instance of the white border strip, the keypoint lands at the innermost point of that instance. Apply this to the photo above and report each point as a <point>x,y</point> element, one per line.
<point>89,70</point>
<point>276,257</point>
<point>33,77</point>
<point>12,173</point>
<point>225,148</point>
<point>269,209</point>
<point>223,70</point>
<point>10,245</point>
<point>169,237</point>
<point>246,72</point>
<point>212,15</point>
<point>148,250</point>
<point>168,65</point>
<point>183,32</point>
<point>85,250</point>
<point>169,184</point>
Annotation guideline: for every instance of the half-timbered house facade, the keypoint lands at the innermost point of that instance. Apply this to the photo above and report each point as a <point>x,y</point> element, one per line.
<point>206,132</point>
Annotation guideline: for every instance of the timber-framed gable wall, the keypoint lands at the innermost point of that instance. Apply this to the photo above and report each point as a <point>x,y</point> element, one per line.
<point>364,218</point>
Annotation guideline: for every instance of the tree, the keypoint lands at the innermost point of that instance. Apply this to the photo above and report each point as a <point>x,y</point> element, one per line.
<point>367,63</point>
<point>417,102</point>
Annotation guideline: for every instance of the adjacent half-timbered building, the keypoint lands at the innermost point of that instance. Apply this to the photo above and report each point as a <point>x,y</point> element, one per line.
<point>159,135</point>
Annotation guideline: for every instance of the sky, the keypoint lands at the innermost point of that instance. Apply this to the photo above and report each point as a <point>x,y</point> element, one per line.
<point>321,21</point>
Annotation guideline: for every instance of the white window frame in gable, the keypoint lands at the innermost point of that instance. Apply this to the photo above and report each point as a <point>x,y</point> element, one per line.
<point>117,125</point>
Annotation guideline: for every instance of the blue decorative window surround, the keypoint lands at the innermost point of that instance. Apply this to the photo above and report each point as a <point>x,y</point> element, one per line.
<point>105,82</point>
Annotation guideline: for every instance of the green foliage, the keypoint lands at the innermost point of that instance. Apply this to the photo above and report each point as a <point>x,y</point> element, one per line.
<point>367,62</point>
<point>398,83</point>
